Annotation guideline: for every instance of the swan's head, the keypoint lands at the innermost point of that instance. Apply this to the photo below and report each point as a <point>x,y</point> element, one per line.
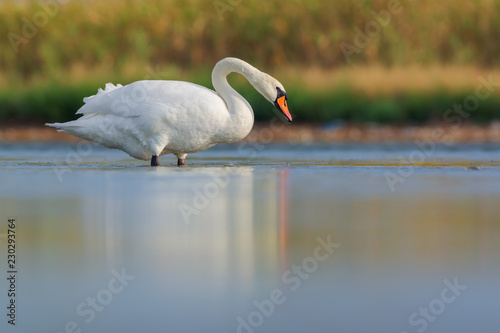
<point>281,104</point>
<point>274,92</point>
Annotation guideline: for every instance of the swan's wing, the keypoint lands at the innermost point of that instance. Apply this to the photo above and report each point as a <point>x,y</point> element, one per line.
<point>147,96</point>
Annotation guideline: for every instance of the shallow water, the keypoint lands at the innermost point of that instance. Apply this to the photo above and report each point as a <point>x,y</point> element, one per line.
<point>253,238</point>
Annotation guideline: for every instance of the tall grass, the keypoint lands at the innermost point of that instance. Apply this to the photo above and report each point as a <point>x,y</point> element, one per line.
<point>124,33</point>
<point>88,43</point>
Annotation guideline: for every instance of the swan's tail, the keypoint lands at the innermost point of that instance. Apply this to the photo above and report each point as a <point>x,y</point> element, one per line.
<point>59,126</point>
<point>72,127</point>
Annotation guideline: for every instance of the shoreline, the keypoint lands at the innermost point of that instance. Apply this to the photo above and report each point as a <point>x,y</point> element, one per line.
<point>307,133</point>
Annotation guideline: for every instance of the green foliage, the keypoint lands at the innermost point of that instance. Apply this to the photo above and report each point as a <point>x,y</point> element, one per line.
<point>48,102</point>
<point>59,102</point>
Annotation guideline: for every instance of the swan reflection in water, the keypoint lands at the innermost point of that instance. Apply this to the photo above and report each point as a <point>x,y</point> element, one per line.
<point>228,221</point>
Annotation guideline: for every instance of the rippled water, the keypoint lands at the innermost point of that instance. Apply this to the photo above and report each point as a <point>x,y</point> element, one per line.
<point>253,238</point>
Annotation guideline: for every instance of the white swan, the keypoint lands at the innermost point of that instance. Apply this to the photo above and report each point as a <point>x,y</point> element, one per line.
<point>147,119</point>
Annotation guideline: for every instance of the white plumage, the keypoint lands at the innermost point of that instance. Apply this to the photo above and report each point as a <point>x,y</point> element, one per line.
<point>147,119</point>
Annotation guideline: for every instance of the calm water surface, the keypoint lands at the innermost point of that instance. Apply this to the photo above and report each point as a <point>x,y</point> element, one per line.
<point>253,238</point>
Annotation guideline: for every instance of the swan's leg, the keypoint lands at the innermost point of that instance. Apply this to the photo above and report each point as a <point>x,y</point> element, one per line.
<point>181,159</point>
<point>154,160</point>
<point>156,148</point>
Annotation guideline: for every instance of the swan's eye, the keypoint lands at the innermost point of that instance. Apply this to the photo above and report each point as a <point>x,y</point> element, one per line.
<point>281,93</point>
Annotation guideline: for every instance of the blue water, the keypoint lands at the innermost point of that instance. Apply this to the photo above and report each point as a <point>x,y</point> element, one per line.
<point>252,238</point>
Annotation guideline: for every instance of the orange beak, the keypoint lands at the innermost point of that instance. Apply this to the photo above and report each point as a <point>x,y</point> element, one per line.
<point>283,107</point>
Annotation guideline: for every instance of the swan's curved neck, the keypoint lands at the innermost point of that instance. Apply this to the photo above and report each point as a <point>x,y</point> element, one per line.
<point>241,116</point>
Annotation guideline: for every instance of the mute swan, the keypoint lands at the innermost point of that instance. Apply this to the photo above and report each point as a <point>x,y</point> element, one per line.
<point>148,119</point>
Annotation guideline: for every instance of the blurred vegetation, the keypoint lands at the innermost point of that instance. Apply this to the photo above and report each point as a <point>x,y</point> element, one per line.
<point>52,54</point>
